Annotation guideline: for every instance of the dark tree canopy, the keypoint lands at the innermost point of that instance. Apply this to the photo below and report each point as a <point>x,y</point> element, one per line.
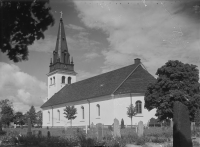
<point>176,82</point>
<point>32,115</point>
<point>70,112</point>
<point>22,22</point>
<point>7,115</point>
<point>19,118</point>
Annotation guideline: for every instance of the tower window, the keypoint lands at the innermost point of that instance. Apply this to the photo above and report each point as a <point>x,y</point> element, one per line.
<point>69,80</point>
<point>63,79</point>
<point>83,116</point>
<point>138,106</point>
<point>98,109</point>
<point>53,80</point>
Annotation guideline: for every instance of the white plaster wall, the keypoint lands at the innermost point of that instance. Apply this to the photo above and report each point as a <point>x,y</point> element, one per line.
<point>55,87</point>
<point>107,113</point>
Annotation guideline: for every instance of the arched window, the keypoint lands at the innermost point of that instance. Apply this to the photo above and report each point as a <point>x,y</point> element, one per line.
<point>53,80</point>
<point>138,106</point>
<point>83,116</point>
<point>98,110</point>
<point>63,79</point>
<point>49,115</point>
<point>69,80</point>
<point>58,115</point>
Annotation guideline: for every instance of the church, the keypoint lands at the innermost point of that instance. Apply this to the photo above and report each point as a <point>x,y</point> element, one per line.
<point>99,99</point>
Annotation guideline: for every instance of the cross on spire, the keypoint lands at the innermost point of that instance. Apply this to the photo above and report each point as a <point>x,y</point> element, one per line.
<point>61,13</point>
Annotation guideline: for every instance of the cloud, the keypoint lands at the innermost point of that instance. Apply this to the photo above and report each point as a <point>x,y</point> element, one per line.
<point>74,27</point>
<point>84,75</point>
<point>21,88</point>
<point>159,32</point>
<point>44,45</point>
<point>91,55</point>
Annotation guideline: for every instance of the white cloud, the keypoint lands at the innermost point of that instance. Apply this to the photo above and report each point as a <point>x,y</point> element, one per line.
<point>156,33</point>
<point>21,88</point>
<point>74,27</point>
<point>91,55</point>
<point>84,75</point>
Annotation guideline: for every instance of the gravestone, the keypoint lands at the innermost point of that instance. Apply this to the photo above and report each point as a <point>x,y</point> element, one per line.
<point>99,131</point>
<point>29,127</point>
<point>116,129</point>
<point>140,129</point>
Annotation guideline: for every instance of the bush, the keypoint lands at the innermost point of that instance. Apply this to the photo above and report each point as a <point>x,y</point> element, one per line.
<point>2,133</point>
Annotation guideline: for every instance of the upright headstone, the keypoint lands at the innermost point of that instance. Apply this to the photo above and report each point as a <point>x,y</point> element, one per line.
<point>140,129</point>
<point>116,129</point>
<point>181,128</point>
<point>29,127</point>
<point>99,131</point>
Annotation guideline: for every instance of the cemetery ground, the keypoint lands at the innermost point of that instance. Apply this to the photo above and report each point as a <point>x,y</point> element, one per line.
<point>77,137</point>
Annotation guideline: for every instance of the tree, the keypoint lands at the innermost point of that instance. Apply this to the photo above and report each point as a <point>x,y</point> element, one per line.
<point>131,111</point>
<point>7,115</point>
<point>70,112</point>
<point>32,115</point>
<point>39,118</point>
<point>197,118</point>
<point>176,82</point>
<point>4,103</point>
<point>19,118</point>
<point>22,22</point>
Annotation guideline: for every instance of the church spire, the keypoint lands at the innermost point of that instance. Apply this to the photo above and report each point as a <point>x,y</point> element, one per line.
<point>61,50</point>
<point>61,56</point>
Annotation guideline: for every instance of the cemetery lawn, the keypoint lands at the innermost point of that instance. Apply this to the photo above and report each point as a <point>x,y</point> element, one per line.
<point>153,137</point>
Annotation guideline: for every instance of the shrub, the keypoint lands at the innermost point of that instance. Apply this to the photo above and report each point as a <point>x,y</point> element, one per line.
<point>2,133</point>
<point>140,141</point>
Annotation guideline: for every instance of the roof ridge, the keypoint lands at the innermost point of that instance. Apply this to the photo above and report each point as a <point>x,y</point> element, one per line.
<point>127,77</point>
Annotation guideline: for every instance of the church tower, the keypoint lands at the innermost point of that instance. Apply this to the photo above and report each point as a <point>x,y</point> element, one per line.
<point>61,67</point>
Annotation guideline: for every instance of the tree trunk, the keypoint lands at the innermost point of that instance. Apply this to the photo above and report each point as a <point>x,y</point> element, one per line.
<point>131,122</point>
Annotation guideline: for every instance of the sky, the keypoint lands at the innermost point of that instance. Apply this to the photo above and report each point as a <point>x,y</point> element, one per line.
<point>103,36</point>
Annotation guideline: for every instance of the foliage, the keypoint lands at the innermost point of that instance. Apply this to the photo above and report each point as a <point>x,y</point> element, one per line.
<point>7,115</point>
<point>19,118</point>
<point>131,111</point>
<point>176,82</point>
<point>39,118</point>
<point>32,115</point>
<point>197,118</point>
<point>22,22</point>
<point>122,124</point>
<point>70,112</point>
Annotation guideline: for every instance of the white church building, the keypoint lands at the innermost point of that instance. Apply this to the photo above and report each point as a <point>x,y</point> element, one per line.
<point>99,99</point>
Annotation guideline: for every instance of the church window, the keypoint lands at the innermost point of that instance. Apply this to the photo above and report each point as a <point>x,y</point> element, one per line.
<point>69,80</point>
<point>53,80</point>
<point>58,115</point>
<point>83,115</point>
<point>98,109</point>
<point>138,106</point>
<point>49,115</point>
<point>63,79</point>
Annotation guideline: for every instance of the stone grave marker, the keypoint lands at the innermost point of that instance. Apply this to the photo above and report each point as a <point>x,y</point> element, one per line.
<point>92,130</point>
<point>116,128</point>
<point>29,127</point>
<point>140,129</point>
<point>99,131</point>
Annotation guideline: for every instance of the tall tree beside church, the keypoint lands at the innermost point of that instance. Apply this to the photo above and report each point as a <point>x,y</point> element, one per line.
<point>131,111</point>
<point>7,115</point>
<point>32,115</point>
<point>22,22</point>
<point>70,112</point>
<point>176,81</point>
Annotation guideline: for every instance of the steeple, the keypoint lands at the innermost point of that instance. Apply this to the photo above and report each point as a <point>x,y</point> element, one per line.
<point>61,56</point>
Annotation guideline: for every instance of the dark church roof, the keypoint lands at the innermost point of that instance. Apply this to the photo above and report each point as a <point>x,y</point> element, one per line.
<point>130,79</point>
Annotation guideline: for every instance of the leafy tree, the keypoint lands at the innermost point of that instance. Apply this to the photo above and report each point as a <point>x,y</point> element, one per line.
<point>176,82</point>
<point>7,115</point>
<point>3,103</point>
<point>39,118</point>
<point>19,118</point>
<point>32,115</point>
<point>70,112</point>
<point>22,22</point>
<point>131,111</point>
<point>197,118</point>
